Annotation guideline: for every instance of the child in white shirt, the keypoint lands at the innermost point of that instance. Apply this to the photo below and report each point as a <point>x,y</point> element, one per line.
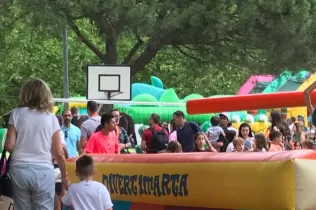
<point>87,194</point>
<point>214,131</point>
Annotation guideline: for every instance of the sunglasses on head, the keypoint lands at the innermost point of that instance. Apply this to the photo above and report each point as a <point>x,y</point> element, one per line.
<point>66,134</point>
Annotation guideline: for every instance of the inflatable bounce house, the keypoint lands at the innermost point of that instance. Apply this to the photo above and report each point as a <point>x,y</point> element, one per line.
<point>288,82</point>
<point>255,84</point>
<point>208,181</point>
<point>285,82</point>
<point>258,119</point>
<point>156,93</point>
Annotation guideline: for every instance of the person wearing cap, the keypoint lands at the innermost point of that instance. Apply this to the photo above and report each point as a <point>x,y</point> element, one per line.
<point>307,97</point>
<point>223,120</point>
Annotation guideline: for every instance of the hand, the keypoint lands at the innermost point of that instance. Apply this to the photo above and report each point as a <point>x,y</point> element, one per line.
<point>282,145</point>
<point>213,149</point>
<point>66,182</point>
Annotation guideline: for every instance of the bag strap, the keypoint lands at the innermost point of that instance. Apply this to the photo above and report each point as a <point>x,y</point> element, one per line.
<point>152,130</point>
<point>11,207</point>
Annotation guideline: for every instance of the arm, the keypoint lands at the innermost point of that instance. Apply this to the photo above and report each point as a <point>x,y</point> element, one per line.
<point>11,134</point>
<point>107,202</point>
<point>63,143</point>
<point>83,142</point>
<point>78,147</point>
<point>89,146</point>
<point>143,142</point>
<point>65,151</point>
<point>127,141</point>
<point>210,147</point>
<point>208,134</point>
<point>84,137</point>
<point>307,93</point>
<point>303,137</point>
<point>11,139</point>
<point>143,145</point>
<point>223,133</point>
<point>66,198</point>
<point>59,156</point>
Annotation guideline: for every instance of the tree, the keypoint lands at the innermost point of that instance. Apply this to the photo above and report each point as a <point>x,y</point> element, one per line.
<point>267,35</point>
<point>187,76</point>
<point>30,53</point>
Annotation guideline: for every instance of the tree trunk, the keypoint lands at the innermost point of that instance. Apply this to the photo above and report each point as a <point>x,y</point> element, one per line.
<point>111,59</point>
<point>148,54</point>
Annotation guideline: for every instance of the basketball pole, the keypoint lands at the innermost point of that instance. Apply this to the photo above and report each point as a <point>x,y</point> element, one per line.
<point>65,67</point>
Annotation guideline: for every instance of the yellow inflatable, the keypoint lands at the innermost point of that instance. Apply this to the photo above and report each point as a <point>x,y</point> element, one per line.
<point>267,181</point>
<point>256,127</point>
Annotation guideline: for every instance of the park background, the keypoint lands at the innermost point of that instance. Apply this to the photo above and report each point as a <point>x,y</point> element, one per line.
<point>203,47</point>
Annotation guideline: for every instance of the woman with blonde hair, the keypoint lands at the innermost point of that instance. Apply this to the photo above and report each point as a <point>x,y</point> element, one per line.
<point>33,138</point>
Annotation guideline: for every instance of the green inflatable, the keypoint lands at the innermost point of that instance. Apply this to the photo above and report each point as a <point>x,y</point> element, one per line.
<point>141,113</point>
<point>3,135</point>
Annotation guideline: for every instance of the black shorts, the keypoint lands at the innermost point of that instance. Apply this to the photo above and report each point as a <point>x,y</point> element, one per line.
<point>314,117</point>
<point>58,186</point>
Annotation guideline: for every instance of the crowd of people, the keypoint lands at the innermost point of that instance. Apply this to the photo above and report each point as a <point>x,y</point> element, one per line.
<point>106,134</point>
<point>39,143</point>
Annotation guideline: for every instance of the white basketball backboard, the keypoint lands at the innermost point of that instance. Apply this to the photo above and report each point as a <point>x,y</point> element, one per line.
<point>103,81</point>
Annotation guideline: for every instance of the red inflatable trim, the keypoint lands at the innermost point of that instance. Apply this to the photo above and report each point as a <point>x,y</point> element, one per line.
<point>246,102</point>
<point>204,157</point>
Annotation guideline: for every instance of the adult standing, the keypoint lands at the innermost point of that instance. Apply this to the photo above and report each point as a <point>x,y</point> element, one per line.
<point>33,138</point>
<point>186,131</point>
<point>223,123</point>
<point>123,137</point>
<point>148,143</point>
<point>89,126</point>
<point>75,115</point>
<point>71,134</point>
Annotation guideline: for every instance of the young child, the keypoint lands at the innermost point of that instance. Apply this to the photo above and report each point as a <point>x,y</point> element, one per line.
<point>213,133</point>
<point>174,147</point>
<point>87,194</point>
<point>276,141</point>
<point>239,144</point>
<point>307,97</point>
<point>199,142</point>
<point>230,136</point>
<point>260,143</point>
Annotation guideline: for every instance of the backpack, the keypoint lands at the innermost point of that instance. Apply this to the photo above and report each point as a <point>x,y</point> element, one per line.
<point>159,140</point>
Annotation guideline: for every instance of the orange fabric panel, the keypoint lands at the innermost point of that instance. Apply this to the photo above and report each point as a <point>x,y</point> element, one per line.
<point>204,157</point>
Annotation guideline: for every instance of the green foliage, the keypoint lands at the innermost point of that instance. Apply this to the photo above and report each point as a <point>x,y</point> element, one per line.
<point>205,47</point>
<point>189,76</point>
<point>264,35</point>
<point>33,54</point>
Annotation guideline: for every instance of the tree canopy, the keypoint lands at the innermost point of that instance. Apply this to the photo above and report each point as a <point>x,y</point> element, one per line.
<point>196,46</point>
<point>263,35</point>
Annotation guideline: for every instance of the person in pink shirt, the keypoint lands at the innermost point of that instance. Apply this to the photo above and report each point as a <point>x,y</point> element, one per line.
<point>173,131</point>
<point>276,141</point>
<point>106,140</point>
